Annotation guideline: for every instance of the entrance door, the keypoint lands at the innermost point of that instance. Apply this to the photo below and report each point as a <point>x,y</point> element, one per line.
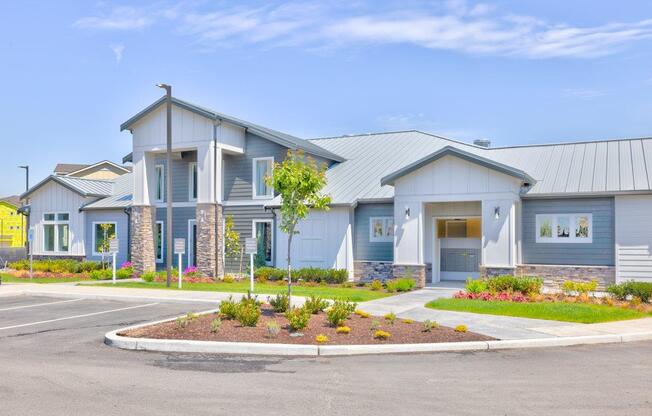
<point>459,248</point>
<point>192,243</point>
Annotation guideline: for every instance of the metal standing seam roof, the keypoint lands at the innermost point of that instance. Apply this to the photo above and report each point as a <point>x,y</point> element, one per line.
<point>121,197</point>
<point>562,170</point>
<point>269,134</point>
<point>84,187</point>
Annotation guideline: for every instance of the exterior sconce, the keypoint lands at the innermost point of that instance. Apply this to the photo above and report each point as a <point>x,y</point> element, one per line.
<point>497,213</point>
<point>407,213</point>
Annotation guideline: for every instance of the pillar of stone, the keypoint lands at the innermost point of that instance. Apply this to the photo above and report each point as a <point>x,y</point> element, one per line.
<point>143,250</point>
<point>209,240</point>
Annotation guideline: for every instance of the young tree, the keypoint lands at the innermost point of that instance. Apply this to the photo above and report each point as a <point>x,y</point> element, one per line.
<point>231,239</point>
<point>105,241</point>
<point>299,181</point>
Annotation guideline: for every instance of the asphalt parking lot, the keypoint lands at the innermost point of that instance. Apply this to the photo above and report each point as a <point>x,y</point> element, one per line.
<point>53,362</point>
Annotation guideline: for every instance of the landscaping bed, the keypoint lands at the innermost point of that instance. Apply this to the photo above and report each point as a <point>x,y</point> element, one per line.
<point>361,330</point>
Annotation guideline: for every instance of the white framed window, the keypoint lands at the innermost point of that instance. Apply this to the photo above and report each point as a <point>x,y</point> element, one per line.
<point>261,168</point>
<point>159,241</point>
<point>564,228</point>
<point>381,229</point>
<point>160,183</point>
<point>103,232</point>
<point>263,232</point>
<point>192,181</point>
<point>56,232</point>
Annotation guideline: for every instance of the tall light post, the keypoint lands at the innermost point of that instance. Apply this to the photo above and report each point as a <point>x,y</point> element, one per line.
<point>26,167</point>
<point>168,183</point>
<point>22,222</point>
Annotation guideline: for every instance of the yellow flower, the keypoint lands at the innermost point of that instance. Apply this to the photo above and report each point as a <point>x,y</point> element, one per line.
<point>321,338</point>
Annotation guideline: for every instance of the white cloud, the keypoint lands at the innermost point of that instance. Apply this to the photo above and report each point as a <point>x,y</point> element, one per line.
<point>455,25</point>
<point>117,50</point>
<point>583,93</point>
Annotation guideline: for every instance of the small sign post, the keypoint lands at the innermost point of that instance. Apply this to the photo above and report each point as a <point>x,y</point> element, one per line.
<point>113,249</point>
<point>251,248</point>
<point>180,250</point>
<point>30,239</point>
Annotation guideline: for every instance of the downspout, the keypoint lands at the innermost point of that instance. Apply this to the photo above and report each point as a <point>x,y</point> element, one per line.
<point>127,212</point>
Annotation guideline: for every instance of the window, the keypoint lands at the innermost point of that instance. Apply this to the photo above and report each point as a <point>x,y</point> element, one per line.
<point>263,232</point>
<point>192,181</point>
<point>262,167</point>
<point>381,229</point>
<point>459,228</point>
<point>56,232</point>
<point>564,228</point>
<point>158,241</point>
<point>160,183</point>
<point>103,232</point>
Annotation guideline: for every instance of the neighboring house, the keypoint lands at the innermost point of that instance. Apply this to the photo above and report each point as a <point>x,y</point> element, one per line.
<point>12,223</point>
<point>403,203</point>
<point>73,216</point>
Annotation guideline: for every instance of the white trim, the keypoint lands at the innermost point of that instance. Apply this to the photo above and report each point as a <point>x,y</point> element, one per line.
<point>107,162</point>
<point>191,181</point>
<point>94,223</point>
<point>271,228</point>
<point>384,238</point>
<point>56,222</point>
<point>191,249</point>
<point>242,203</point>
<point>160,168</point>
<point>254,184</point>
<point>572,220</point>
<point>160,260</point>
<point>188,204</point>
<point>436,246</point>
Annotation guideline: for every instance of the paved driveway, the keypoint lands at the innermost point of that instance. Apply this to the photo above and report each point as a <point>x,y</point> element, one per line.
<point>53,362</point>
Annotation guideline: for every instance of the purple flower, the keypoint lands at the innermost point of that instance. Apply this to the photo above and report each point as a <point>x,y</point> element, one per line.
<point>190,269</point>
<point>127,265</point>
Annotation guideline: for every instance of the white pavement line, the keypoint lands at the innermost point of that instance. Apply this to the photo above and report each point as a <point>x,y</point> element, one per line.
<point>39,304</point>
<point>77,316</point>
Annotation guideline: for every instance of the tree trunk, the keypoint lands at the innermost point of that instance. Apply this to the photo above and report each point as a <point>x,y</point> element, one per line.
<point>290,269</point>
<point>241,253</point>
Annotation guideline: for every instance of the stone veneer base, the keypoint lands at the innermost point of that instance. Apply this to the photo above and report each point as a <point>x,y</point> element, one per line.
<point>366,271</point>
<point>143,255</point>
<point>555,275</point>
<point>209,239</point>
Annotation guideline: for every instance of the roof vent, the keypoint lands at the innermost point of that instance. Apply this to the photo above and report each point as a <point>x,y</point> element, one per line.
<point>482,142</point>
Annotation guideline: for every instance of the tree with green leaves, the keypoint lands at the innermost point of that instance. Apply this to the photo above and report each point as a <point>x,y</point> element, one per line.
<point>299,181</point>
<point>231,239</point>
<point>106,237</point>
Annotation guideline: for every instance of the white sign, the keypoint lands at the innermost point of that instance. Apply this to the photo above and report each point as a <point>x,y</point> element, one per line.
<point>250,246</point>
<point>179,246</point>
<point>113,245</point>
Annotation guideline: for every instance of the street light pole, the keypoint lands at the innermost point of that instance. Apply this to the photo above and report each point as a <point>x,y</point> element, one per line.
<point>168,183</point>
<point>22,220</point>
<point>26,167</point>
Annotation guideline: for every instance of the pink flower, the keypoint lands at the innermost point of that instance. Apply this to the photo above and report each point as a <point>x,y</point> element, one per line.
<point>126,265</point>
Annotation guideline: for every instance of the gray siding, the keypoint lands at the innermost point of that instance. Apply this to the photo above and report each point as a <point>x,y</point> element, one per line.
<point>599,253</point>
<point>180,175</point>
<point>180,217</point>
<point>238,168</point>
<point>243,217</point>
<point>363,249</point>
<point>122,230</point>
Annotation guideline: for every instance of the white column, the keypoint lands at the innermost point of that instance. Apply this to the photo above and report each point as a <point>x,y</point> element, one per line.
<point>144,178</point>
<point>205,169</point>
<point>408,237</point>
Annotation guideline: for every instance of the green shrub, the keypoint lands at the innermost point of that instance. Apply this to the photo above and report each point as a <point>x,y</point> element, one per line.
<point>391,286</point>
<point>315,304</point>
<point>124,273</point>
<point>641,290</point>
<point>148,276</point>
<point>89,266</point>
<point>182,321</point>
<point>524,284</point>
<point>428,325</point>
<point>308,274</point>
<point>251,300</point>
<point>216,324</point>
<point>273,329</point>
<point>475,285</point>
<point>376,285</point>
<point>571,287</point>
<point>101,274</point>
<point>228,308</point>
<point>298,318</point>
<point>269,273</point>
<point>57,266</point>
<point>405,284</point>
<point>280,302</point>
<point>390,318</point>
<point>339,312</point>
<point>247,314</point>
<point>19,265</point>
<point>375,325</point>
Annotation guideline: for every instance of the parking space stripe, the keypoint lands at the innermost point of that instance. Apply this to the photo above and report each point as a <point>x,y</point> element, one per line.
<point>77,316</point>
<point>40,304</point>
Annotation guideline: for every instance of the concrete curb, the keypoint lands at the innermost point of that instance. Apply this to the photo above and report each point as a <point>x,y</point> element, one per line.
<point>251,348</point>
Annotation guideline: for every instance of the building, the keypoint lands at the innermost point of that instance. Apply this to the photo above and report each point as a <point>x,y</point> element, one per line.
<point>12,223</point>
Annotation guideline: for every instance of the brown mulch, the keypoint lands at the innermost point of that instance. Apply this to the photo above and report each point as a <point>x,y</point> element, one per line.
<point>361,333</point>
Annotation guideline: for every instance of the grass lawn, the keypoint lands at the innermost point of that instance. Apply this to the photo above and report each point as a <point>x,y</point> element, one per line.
<point>328,292</point>
<point>569,312</point>
<point>12,279</point>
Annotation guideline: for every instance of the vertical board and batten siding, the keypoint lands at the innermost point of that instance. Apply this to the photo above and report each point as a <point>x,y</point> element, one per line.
<point>180,176</point>
<point>634,238</point>
<point>243,217</point>
<point>363,249</point>
<point>54,198</point>
<point>180,217</point>
<point>598,253</point>
<point>188,129</point>
<point>122,232</point>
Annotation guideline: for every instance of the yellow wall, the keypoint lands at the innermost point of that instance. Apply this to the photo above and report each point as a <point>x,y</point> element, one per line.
<point>12,226</point>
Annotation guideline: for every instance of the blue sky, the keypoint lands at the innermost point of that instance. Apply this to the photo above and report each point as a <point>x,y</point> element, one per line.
<point>515,72</point>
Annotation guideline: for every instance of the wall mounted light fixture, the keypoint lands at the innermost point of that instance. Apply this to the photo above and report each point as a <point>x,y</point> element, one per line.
<point>497,213</point>
<point>407,212</point>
